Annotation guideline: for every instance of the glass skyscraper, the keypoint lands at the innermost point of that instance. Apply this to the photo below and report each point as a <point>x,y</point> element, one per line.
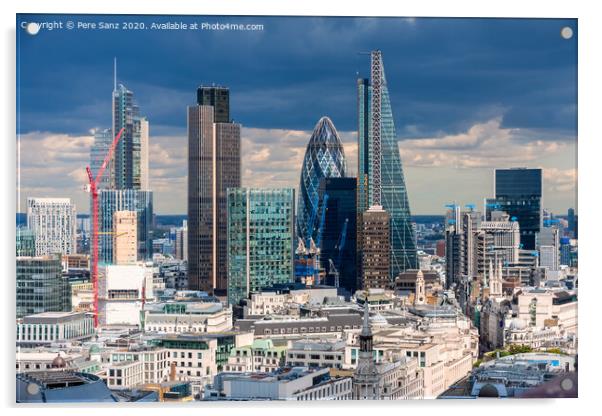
<point>130,162</point>
<point>213,167</point>
<point>112,200</point>
<point>518,192</point>
<point>260,239</point>
<point>339,232</point>
<point>324,158</point>
<point>394,196</point>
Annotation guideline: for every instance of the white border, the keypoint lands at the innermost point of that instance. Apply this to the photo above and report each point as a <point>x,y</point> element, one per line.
<point>590,68</point>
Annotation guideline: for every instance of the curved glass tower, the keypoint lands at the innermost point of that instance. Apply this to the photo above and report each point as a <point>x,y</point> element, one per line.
<point>324,158</point>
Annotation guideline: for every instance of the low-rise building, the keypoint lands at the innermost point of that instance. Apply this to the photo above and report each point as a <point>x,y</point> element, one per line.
<point>49,327</point>
<point>261,356</point>
<point>297,383</point>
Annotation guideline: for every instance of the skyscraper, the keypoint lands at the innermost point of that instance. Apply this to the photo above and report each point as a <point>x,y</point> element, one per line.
<point>324,158</point>
<point>52,221</point>
<point>518,192</point>
<point>260,239</point>
<point>125,237</point>
<point>375,117</point>
<point>130,162</point>
<point>339,233</point>
<point>213,167</point>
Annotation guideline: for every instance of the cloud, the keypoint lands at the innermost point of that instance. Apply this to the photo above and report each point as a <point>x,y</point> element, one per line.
<point>560,180</point>
<point>483,145</point>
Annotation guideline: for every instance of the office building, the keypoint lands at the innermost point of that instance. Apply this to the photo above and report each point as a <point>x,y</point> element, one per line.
<point>213,167</point>
<point>125,237</point>
<point>518,192</point>
<point>548,245</point>
<point>296,383</point>
<point>114,200</point>
<point>26,242</point>
<point>376,123</point>
<point>41,286</point>
<point>260,239</point>
<point>338,245</point>
<point>374,249</point>
<point>52,221</point>
<point>130,160</point>
<point>181,242</point>
<point>49,327</point>
<point>103,138</point>
<point>324,158</point>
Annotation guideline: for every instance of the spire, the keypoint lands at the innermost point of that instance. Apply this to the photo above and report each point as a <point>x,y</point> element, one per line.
<point>115,73</point>
<point>366,331</point>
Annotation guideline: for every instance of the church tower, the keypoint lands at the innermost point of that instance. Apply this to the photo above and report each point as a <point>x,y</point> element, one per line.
<point>496,280</point>
<point>366,385</point>
<point>420,295</point>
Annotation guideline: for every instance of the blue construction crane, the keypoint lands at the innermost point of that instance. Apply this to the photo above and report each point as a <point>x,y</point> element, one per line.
<point>450,206</point>
<point>470,206</point>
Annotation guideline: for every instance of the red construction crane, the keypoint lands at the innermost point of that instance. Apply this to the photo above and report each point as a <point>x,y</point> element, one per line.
<point>94,191</point>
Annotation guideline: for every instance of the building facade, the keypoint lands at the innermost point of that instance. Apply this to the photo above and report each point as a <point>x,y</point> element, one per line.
<point>324,158</point>
<point>374,249</point>
<point>125,237</point>
<point>41,286</point>
<point>213,167</point>
<point>114,200</point>
<point>52,221</point>
<point>518,192</point>
<point>338,248</point>
<point>130,160</point>
<point>260,239</point>
<point>376,117</point>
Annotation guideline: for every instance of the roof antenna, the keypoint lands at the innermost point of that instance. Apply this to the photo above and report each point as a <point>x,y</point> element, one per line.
<point>114,73</point>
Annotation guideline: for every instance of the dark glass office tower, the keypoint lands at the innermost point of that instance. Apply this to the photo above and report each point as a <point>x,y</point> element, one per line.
<point>339,245</point>
<point>218,98</point>
<point>392,183</point>
<point>213,167</point>
<point>518,192</point>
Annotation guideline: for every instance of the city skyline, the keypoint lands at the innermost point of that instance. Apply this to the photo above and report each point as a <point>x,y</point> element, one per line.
<point>444,109</point>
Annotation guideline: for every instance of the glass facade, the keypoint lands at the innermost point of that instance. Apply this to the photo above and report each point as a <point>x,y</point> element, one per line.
<point>102,143</point>
<point>260,239</point>
<point>339,243</point>
<point>112,200</point>
<point>394,196</point>
<point>518,192</point>
<point>324,158</point>
<point>41,287</point>
<point>26,243</point>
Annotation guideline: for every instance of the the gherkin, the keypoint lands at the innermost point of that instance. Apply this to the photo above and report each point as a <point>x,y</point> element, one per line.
<point>324,158</point>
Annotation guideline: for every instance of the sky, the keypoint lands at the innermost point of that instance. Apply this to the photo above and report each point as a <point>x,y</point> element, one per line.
<point>468,96</point>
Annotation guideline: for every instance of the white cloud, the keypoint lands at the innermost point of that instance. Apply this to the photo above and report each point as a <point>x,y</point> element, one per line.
<point>483,145</point>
